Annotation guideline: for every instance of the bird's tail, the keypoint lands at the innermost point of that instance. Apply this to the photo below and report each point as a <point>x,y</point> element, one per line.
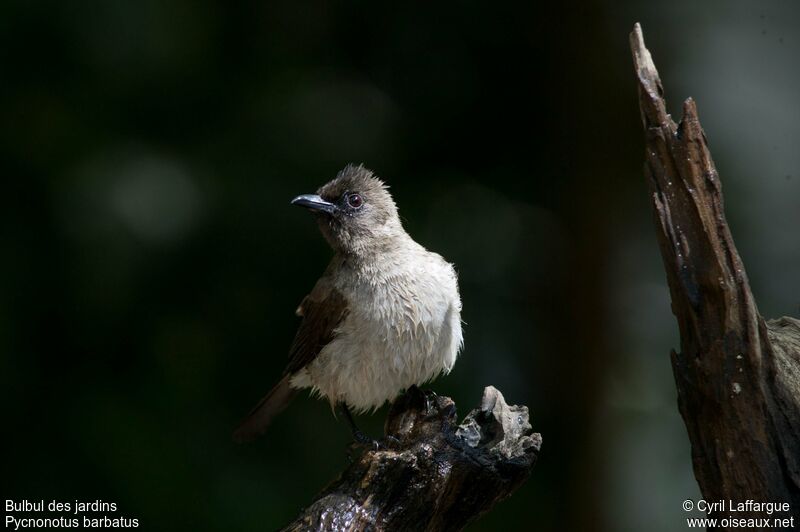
<point>257,421</point>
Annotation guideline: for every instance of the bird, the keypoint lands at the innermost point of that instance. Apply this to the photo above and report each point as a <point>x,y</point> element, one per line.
<point>384,316</point>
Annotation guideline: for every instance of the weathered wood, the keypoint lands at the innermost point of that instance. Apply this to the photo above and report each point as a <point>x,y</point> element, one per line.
<point>737,376</point>
<point>437,475</point>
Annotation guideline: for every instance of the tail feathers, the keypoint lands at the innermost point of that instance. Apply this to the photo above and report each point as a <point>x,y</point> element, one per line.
<point>257,421</point>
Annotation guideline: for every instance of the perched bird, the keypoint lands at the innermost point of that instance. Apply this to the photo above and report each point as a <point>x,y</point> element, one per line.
<point>385,315</point>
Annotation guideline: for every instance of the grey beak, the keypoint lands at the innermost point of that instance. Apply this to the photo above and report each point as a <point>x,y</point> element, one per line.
<point>314,203</point>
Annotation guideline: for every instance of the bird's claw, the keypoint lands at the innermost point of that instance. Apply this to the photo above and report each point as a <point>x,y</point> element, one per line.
<point>430,400</point>
<point>390,442</point>
<point>365,442</point>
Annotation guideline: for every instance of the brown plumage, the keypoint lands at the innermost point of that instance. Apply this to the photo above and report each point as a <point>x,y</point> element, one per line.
<point>385,315</point>
<point>261,415</point>
<point>321,310</point>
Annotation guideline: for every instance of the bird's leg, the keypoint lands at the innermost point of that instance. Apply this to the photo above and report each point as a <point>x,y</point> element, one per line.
<point>359,436</point>
<point>430,400</point>
<point>429,396</point>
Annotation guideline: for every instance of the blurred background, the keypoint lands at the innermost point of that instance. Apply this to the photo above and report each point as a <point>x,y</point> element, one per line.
<point>151,262</point>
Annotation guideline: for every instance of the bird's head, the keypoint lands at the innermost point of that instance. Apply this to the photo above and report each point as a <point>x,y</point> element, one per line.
<point>355,212</point>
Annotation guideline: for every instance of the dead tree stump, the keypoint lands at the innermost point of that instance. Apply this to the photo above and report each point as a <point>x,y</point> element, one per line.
<point>737,375</point>
<point>437,475</point>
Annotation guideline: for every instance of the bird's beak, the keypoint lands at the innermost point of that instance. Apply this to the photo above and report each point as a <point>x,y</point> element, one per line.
<point>314,203</point>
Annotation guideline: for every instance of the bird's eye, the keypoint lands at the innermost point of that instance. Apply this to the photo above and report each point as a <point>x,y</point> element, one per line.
<point>354,201</point>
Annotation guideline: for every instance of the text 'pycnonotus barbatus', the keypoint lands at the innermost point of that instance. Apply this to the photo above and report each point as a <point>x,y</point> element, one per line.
<point>384,316</point>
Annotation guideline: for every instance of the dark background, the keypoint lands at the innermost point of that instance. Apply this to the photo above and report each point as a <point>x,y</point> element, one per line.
<point>151,262</point>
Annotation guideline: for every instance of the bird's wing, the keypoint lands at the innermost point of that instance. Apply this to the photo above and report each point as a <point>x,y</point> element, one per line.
<point>322,311</point>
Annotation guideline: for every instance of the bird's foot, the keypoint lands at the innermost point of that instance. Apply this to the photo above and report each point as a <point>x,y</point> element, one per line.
<point>417,395</point>
<point>363,440</point>
<point>368,443</point>
<point>357,448</point>
<point>390,442</point>
<point>430,400</point>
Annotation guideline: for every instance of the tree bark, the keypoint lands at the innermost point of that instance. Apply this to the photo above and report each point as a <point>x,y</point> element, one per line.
<point>737,376</point>
<point>436,475</point>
